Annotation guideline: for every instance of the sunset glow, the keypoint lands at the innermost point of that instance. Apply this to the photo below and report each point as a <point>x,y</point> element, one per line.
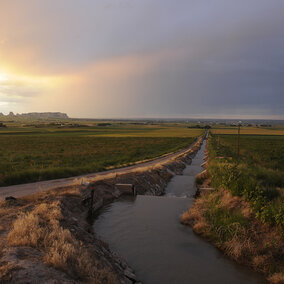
<point>114,61</point>
<point>3,77</point>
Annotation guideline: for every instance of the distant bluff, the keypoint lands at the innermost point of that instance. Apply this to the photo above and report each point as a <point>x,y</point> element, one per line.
<point>37,115</point>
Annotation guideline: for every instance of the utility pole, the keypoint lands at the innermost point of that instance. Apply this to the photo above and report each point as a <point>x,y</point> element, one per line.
<point>238,144</point>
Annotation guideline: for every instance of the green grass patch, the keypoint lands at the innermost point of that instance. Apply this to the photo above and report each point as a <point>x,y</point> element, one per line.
<point>257,176</point>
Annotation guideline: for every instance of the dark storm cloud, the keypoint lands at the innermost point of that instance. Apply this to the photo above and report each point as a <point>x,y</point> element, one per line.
<point>218,57</point>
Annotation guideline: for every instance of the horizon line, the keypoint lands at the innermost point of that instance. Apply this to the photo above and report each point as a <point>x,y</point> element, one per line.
<point>172,117</point>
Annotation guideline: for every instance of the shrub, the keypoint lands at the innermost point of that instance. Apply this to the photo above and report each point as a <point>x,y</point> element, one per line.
<point>272,213</point>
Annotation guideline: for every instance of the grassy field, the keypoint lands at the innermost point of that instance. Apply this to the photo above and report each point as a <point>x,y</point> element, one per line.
<point>249,130</point>
<point>116,130</point>
<point>41,152</point>
<point>258,175</point>
<point>256,151</point>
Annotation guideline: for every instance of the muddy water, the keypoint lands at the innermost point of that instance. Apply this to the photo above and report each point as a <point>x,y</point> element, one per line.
<point>146,231</point>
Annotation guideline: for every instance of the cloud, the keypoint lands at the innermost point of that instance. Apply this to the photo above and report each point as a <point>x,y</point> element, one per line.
<point>144,58</point>
<point>18,92</point>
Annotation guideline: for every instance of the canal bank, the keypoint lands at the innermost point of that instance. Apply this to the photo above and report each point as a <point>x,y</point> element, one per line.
<point>146,231</point>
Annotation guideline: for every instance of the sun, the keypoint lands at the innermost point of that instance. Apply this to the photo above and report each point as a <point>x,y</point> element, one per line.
<point>3,77</point>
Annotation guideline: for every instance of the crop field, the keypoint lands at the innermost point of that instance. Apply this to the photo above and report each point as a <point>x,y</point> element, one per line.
<point>249,130</point>
<point>261,150</point>
<point>258,175</point>
<point>40,153</point>
<point>117,130</point>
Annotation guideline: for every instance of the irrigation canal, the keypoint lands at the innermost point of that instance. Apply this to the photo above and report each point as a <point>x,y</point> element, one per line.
<point>146,232</point>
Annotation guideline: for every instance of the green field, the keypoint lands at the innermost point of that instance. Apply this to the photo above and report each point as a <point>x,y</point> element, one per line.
<point>255,150</point>
<point>258,174</point>
<point>41,152</point>
<point>249,130</point>
<point>114,130</point>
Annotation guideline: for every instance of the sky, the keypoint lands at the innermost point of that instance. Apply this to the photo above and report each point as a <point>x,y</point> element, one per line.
<point>143,58</point>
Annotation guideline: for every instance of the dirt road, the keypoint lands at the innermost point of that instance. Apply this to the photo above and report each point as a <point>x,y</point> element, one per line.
<point>30,188</point>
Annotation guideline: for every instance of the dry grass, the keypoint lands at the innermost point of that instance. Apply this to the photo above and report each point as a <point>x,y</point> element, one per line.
<point>254,244</point>
<point>235,203</point>
<point>4,212</point>
<point>261,261</point>
<point>276,278</point>
<point>5,272</point>
<point>185,218</point>
<point>68,191</point>
<point>195,218</point>
<point>29,229</point>
<point>195,213</point>
<point>41,229</point>
<point>240,246</point>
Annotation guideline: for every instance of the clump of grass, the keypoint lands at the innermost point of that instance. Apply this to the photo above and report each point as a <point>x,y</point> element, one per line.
<point>30,230</point>
<point>189,217</point>
<point>276,278</point>
<point>41,229</point>
<point>225,223</point>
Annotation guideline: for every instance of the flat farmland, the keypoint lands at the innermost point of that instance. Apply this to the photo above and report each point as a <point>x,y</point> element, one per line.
<point>109,131</point>
<point>42,153</point>
<point>250,130</point>
<point>262,151</point>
